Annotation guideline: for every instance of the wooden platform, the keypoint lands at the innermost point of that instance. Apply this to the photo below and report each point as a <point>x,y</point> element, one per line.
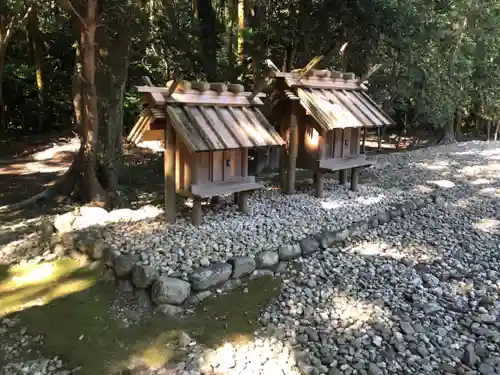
<point>212,189</point>
<point>337,164</point>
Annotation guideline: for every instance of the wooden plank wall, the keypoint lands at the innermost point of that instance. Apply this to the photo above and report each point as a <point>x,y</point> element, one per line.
<point>182,166</point>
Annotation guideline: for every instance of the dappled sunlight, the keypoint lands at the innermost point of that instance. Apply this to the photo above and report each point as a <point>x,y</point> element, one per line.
<point>33,285</point>
<point>158,351</point>
<point>481,181</point>
<point>354,313</point>
<point>247,353</point>
<point>488,225</point>
<point>335,203</point>
<point>444,184</point>
<point>416,252</point>
<point>436,166</point>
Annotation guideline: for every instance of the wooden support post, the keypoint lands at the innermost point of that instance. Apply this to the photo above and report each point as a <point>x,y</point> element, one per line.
<point>354,179</point>
<point>319,178</point>
<point>283,159</point>
<point>236,198</point>
<point>215,200</point>
<point>293,149</point>
<point>197,212</point>
<point>343,177</point>
<point>169,170</point>
<point>379,139</point>
<point>243,201</point>
<point>364,141</point>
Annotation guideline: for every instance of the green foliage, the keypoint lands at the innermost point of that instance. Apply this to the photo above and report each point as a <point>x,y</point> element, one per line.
<point>435,56</point>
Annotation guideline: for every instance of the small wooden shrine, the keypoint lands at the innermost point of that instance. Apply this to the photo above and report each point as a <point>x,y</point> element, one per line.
<point>207,129</point>
<point>322,114</point>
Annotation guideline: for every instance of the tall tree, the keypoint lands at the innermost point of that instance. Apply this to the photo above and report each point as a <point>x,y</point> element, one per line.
<point>12,14</point>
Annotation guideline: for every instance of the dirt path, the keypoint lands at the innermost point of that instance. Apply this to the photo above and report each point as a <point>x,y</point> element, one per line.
<point>27,167</point>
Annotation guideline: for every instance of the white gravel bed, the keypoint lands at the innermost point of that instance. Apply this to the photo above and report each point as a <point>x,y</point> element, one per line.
<point>276,218</point>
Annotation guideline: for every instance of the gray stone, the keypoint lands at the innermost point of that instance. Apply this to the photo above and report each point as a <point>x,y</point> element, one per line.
<point>169,290</point>
<point>309,245</point>
<point>469,357</point>
<point>124,264</point>
<point>383,217</point>
<point>342,235</point>
<point>326,239</point>
<point>194,299</point>
<point>242,266</point>
<point>267,259</point>
<point>289,252</point>
<point>281,267</point>
<point>486,369</point>
<point>311,333</point>
<point>207,277</point>
<point>143,276</point>
<point>432,307</point>
<point>407,328</point>
<point>373,369</point>
<point>306,369</point>
<point>170,311</point>
<point>231,284</point>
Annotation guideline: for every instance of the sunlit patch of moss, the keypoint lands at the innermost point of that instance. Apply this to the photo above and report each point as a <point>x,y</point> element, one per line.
<point>80,327</point>
<point>29,285</point>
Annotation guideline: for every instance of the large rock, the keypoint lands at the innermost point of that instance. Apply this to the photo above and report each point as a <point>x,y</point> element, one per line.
<point>64,223</point>
<point>327,239</point>
<point>309,245</point>
<point>143,276</point>
<point>469,357</point>
<point>91,216</point>
<point>207,277</point>
<point>289,252</point>
<point>124,264</point>
<point>242,266</point>
<point>170,290</point>
<point>267,259</point>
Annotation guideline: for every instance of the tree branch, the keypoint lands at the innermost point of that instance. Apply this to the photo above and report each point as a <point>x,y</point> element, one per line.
<point>72,8</point>
<point>13,22</point>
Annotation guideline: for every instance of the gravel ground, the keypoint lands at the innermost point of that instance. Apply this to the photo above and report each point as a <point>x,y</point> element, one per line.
<point>278,219</point>
<point>419,295</point>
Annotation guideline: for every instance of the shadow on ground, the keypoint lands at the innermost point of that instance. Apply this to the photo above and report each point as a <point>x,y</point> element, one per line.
<point>86,323</point>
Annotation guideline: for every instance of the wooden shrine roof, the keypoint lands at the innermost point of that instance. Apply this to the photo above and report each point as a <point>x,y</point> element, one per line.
<point>214,116</point>
<point>334,99</point>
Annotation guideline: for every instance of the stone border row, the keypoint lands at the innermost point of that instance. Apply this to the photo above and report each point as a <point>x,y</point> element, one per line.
<point>172,294</point>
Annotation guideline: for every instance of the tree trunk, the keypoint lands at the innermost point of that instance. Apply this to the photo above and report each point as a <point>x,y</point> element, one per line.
<point>208,36</point>
<point>3,120</point>
<point>94,192</point>
<point>449,130</point>
<point>111,89</point>
<point>37,48</point>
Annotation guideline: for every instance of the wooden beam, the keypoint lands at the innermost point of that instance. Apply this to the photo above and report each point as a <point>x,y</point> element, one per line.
<point>197,211</point>
<point>355,178</point>
<point>320,183</point>
<point>343,177</point>
<point>283,154</point>
<point>154,135</point>
<point>169,170</point>
<point>243,201</point>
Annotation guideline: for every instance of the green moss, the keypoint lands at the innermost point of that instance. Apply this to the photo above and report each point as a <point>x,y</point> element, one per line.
<point>80,328</point>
